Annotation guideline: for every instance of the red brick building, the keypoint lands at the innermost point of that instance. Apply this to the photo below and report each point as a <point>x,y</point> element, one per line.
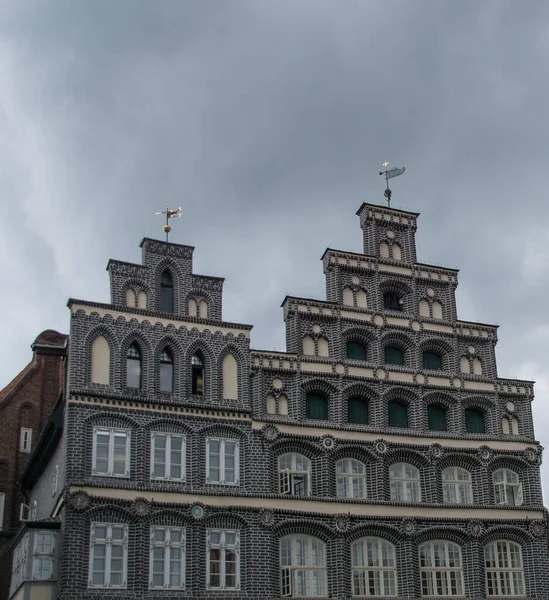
<point>25,405</point>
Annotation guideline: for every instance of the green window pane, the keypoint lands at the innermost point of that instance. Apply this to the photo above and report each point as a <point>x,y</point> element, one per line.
<point>398,414</point>
<point>432,360</point>
<point>357,411</point>
<point>356,351</point>
<point>436,417</point>
<point>391,301</point>
<point>317,407</point>
<point>474,421</point>
<point>394,356</point>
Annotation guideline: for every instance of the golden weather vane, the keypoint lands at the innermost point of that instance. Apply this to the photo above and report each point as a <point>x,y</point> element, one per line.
<point>170,214</point>
<point>388,175</point>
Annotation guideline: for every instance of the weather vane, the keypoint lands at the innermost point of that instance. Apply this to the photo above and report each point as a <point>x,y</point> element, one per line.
<point>389,174</point>
<point>170,214</point>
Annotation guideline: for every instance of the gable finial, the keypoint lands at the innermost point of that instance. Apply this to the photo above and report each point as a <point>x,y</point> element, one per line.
<point>389,174</point>
<point>170,214</point>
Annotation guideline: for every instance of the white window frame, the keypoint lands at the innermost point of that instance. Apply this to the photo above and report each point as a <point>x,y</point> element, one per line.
<point>291,574</point>
<point>502,576</point>
<point>112,433</point>
<point>378,573</point>
<point>287,476</point>
<point>441,578</point>
<point>108,542</point>
<point>167,545</point>
<point>24,512</point>
<point>223,546</point>
<point>222,466</point>
<point>40,556</point>
<point>167,456</point>
<point>454,488</point>
<point>405,486</point>
<point>507,490</point>
<point>348,478</point>
<point>25,441</point>
<point>19,563</point>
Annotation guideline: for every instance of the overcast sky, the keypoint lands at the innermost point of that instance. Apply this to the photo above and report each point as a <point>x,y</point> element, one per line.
<point>267,122</point>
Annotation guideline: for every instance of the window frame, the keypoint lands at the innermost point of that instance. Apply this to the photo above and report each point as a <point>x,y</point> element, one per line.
<point>25,440</point>
<point>434,576</point>
<point>374,573</point>
<point>134,359</point>
<point>353,344</point>
<point>168,463</point>
<point>364,408</point>
<point>162,361</point>
<point>108,542</point>
<point>349,478</point>
<point>112,432</point>
<point>222,546</point>
<point>404,485</point>
<point>289,572</point>
<point>452,487</point>
<point>434,408</point>
<point>166,287</point>
<point>198,371</point>
<point>398,402</point>
<point>430,355</point>
<point>287,475</point>
<point>473,410</point>
<point>222,460</point>
<point>309,396</point>
<point>43,556</point>
<point>392,301</point>
<point>494,576</point>
<point>507,489</point>
<point>167,544</point>
<point>401,355</point>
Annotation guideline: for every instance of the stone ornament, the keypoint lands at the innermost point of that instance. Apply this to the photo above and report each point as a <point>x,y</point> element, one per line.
<point>381,447</point>
<point>141,507</point>
<point>328,443</point>
<point>197,511</point>
<point>269,433</point>
<point>79,501</point>
<point>408,525</point>
<point>266,517</point>
<point>341,523</point>
<point>531,455</point>
<point>537,528</point>
<point>435,451</point>
<point>484,453</point>
<point>475,528</point>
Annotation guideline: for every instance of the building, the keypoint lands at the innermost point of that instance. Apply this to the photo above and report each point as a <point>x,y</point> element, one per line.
<point>379,456</point>
<point>25,404</point>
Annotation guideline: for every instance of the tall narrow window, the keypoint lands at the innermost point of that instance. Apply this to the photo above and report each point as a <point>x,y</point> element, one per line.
<point>394,356</point>
<point>222,461</point>
<point>440,569</point>
<point>197,368</point>
<point>25,439</point>
<point>108,555</point>
<point>357,411</point>
<point>166,293</point>
<point>223,559</point>
<point>133,367</point>
<point>356,351</point>
<point>404,482</point>
<point>392,301</point>
<point>302,567</point>
<point>111,452</point>
<point>436,417</point>
<point>503,567</point>
<point>373,568</point>
<point>398,414</point>
<point>507,488</point>
<point>167,558</point>
<point>2,507</point>
<point>474,421</point>
<point>432,361</point>
<point>456,486</point>
<point>316,407</point>
<point>294,474</point>
<point>166,371</point>
<point>167,456</point>
<point>351,478</point>
<point>42,561</point>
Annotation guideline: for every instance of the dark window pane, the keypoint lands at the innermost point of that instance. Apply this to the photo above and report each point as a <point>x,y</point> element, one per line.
<point>197,375</point>
<point>394,356</point>
<point>432,360</point>
<point>316,407</point>
<point>133,367</point>
<point>474,421</point>
<point>436,417</point>
<point>166,293</point>
<point>356,351</point>
<point>391,301</point>
<point>166,377</point>
<point>398,414</point>
<point>357,411</point>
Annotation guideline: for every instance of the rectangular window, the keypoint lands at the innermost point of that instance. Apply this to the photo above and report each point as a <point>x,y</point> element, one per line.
<point>111,452</point>
<point>19,563</point>
<point>42,562</point>
<point>223,559</point>
<point>2,505</point>
<point>108,555</point>
<point>168,456</point>
<point>25,440</point>
<point>222,461</point>
<point>167,559</point>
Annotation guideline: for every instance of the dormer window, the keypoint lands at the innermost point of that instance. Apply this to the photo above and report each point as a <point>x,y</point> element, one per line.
<point>133,367</point>
<point>166,292</point>
<point>166,371</point>
<point>197,367</point>
<point>392,301</point>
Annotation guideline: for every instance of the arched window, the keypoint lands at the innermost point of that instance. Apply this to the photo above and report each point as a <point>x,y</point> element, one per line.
<point>398,414</point>
<point>394,356</point>
<point>503,568</point>
<point>294,474</point>
<point>436,418</point>
<point>133,367</point>
<point>101,361</point>
<point>477,366</point>
<point>396,252</point>
<point>432,361</point>
<point>323,347</point>
<point>474,421</point>
<point>302,567</point>
<point>166,292</point>
<point>316,407</point>
<point>230,378</point>
<point>373,568</point>
<point>197,369</point>
<point>356,351</point>
<point>130,298</point>
<point>456,486</point>
<point>507,488</point>
<point>357,411</point>
<point>405,483</point>
<point>440,569</point>
<point>392,301</point>
<point>351,478</point>
<point>166,371</point>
